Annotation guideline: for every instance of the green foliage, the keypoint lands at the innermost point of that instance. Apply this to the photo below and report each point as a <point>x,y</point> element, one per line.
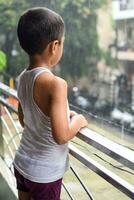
<point>106,55</point>
<point>81,52</point>
<point>2,60</point>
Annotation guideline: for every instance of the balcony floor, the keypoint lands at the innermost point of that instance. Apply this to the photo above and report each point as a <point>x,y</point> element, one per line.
<point>5,191</point>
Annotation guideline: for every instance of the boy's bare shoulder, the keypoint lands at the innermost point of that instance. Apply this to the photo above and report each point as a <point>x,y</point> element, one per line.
<point>58,82</point>
<point>58,86</point>
<point>52,82</point>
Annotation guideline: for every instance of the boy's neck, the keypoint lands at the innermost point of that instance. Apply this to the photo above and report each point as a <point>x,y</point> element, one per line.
<point>35,62</point>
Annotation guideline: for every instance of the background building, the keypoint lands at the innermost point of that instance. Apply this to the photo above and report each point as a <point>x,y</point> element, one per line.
<point>116,35</point>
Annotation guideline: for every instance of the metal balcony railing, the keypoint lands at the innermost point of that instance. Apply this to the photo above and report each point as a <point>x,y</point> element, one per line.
<point>10,134</point>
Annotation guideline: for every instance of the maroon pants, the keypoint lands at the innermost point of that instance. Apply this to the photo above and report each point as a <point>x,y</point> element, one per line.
<point>39,191</point>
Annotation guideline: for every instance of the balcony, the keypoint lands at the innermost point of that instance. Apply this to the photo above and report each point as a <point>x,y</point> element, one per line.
<point>123,9</point>
<point>86,167</point>
<point>123,51</point>
<point>124,55</point>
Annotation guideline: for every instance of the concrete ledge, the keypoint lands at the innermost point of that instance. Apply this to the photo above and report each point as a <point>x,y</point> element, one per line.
<point>8,176</point>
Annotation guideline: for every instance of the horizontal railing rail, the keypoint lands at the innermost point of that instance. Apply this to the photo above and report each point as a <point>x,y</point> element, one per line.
<point>110,177</point>
<point>8,105</point>
<point>7,90</point>
<point>110,148</point>
<point>116,151</point>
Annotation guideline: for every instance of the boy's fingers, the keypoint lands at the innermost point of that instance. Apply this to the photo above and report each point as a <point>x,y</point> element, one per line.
<point>72,113</point>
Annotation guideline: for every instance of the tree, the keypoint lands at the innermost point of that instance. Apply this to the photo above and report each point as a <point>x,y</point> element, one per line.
<point>10,11</point>
<point>81,52</point>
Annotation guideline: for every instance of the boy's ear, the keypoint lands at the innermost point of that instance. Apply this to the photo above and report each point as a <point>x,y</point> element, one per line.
<point>53,46</point>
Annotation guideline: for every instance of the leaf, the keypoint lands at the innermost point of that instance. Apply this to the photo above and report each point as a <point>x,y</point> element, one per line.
<point>3,60</point>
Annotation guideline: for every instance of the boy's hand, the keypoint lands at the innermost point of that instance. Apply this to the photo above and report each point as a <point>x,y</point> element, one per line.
<point>72,113</point>
<point>82,121</point>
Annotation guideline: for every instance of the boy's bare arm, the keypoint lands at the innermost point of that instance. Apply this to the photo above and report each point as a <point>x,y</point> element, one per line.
<point>62,130</point>
<point>20,115</point>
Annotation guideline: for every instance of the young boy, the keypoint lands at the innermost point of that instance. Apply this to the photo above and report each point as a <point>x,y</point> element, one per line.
<point>42,157</point>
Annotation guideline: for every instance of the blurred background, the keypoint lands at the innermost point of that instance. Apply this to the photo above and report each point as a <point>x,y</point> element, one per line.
<point>98,64</point>
<point>98,55</point>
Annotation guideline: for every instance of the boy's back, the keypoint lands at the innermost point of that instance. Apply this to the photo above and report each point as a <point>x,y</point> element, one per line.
<point>37,146</point>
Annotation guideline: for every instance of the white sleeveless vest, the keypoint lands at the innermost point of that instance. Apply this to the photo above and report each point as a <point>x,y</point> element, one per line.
<point>39,158</point>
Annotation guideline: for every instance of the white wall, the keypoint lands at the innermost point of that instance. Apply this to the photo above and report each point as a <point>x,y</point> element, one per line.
<point>123,9</point>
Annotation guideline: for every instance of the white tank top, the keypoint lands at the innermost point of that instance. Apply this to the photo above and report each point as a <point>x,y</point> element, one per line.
<point>39,158</point>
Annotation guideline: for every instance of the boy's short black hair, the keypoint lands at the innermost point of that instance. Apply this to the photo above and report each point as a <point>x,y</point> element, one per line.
<point>37,27</point>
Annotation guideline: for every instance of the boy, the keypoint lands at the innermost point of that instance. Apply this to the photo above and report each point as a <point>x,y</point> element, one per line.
<point>42,157</point>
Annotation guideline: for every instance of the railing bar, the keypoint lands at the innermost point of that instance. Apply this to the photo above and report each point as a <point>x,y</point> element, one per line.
<point>81,182</point>
<point>5,103</point>
<point>114,150</point>
<point>9,132</point>
<point>12,154</point>
<point>11,140</point>
<point>12,121</point>
<point>109,176</point>
<point>7,90</point>
<point>67,191</point>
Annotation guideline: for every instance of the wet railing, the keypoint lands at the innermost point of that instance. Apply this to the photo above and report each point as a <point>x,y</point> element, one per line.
<point>10,134</point>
